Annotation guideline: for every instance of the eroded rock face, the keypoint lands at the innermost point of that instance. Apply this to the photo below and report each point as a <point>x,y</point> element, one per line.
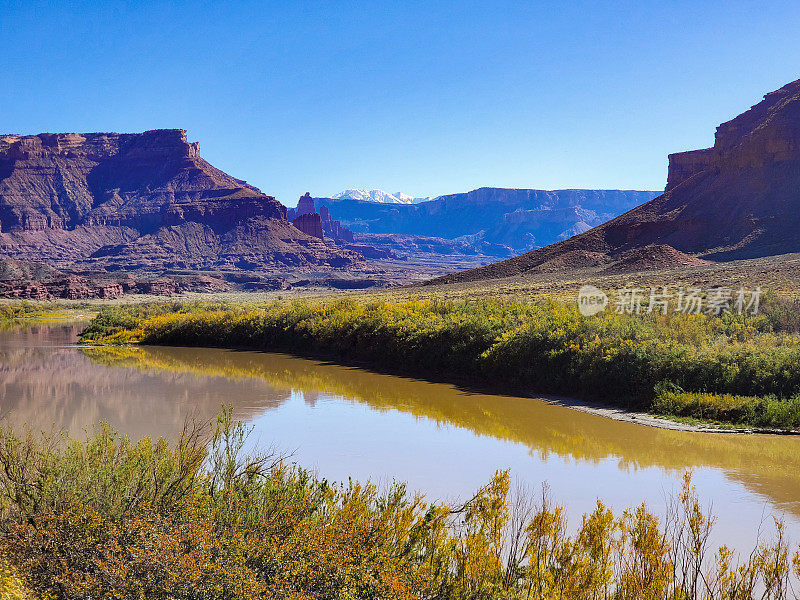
<point>739,199</point>
<point>38,282</point>
<point>146,200</point>
<point>766,135</point>
<point>305,205</point>
<point>320,223</point>
<point>60,181</point>
<point>334,229</point>
<point>26,290</point>
<point>310,224</point>
<point>684,165</point>
<point>26,280</point>
<point>74,287</point>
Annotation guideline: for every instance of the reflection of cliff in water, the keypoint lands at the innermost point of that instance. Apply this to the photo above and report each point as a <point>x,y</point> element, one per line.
<point>768,465</point>
<point>46,383</point>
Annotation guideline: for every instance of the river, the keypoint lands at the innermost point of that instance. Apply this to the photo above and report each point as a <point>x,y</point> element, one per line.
<point>442,440</point>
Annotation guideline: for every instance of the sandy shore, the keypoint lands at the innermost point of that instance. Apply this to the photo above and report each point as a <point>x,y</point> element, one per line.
<point>648,420</point>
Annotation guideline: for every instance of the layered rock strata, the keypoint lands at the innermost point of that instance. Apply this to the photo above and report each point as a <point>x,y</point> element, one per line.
<point>739,199</point>
<point>142,201</point>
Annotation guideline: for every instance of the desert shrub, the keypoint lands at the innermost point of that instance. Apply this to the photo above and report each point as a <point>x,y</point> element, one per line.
<point>117,518</point>
<point>16,312</point>
<point>112,321</point>
<point>11,585</point>
<point>764,411</point>
<point>782,313</point>
<point>543,347</point>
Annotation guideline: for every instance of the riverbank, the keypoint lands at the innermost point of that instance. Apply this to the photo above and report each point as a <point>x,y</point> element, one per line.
<point>647,419</point>
<point>19,312</point>
<point>734,370</point>
<point>24,313</point>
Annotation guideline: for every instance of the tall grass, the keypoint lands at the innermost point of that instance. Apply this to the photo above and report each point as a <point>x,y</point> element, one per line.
<point>118,518</point>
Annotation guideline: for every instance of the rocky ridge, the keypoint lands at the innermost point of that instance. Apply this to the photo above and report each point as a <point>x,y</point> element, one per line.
<point>736,200</point>
<point>499,221</point>
<point>108,202</point>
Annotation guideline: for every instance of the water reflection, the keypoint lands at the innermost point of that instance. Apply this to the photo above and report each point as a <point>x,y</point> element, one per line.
<point>46,382</point>
<point>768,464</point>
<point>346,421</point>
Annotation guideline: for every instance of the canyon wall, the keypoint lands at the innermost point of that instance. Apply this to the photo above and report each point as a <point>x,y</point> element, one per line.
<point>739,199</point>
<point>142,201</point>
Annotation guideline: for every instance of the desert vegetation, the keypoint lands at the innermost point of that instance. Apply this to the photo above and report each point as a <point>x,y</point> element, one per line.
<point>16,313</point>
<point>19,312</point>
<point>731,368</point>
<point>113,517</point>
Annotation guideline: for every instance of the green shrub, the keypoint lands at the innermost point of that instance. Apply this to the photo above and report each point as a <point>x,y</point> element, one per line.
<point>544,347</point>
<point>765,411</point>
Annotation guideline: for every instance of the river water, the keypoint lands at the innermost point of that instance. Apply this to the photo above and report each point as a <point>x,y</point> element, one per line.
<point>440,439</point>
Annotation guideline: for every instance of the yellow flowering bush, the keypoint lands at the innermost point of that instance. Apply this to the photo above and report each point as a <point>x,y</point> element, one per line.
<point>529,348</point>
<point>112,517</point>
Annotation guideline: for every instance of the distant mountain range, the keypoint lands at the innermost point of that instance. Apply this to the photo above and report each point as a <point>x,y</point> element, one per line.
<point>504,221</point>
<point>378,196</point>
<point>101,214</point>
<point>739,199</point>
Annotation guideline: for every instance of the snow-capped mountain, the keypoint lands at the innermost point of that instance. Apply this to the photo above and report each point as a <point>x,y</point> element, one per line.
<point>378,196</point>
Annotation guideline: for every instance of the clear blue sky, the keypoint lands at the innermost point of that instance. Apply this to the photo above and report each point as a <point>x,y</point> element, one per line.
<point>421,97</point>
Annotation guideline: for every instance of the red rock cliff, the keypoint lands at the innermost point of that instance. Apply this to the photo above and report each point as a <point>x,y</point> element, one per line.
<point>310,224</point>
<point>142,180</point>
<point>140,200</point>
<point>739,199</point>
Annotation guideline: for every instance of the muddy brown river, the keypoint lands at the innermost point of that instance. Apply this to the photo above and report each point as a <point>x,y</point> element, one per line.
<point>440,439</point>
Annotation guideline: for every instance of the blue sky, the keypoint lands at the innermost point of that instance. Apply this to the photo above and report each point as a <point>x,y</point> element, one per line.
<point>421,97</point>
